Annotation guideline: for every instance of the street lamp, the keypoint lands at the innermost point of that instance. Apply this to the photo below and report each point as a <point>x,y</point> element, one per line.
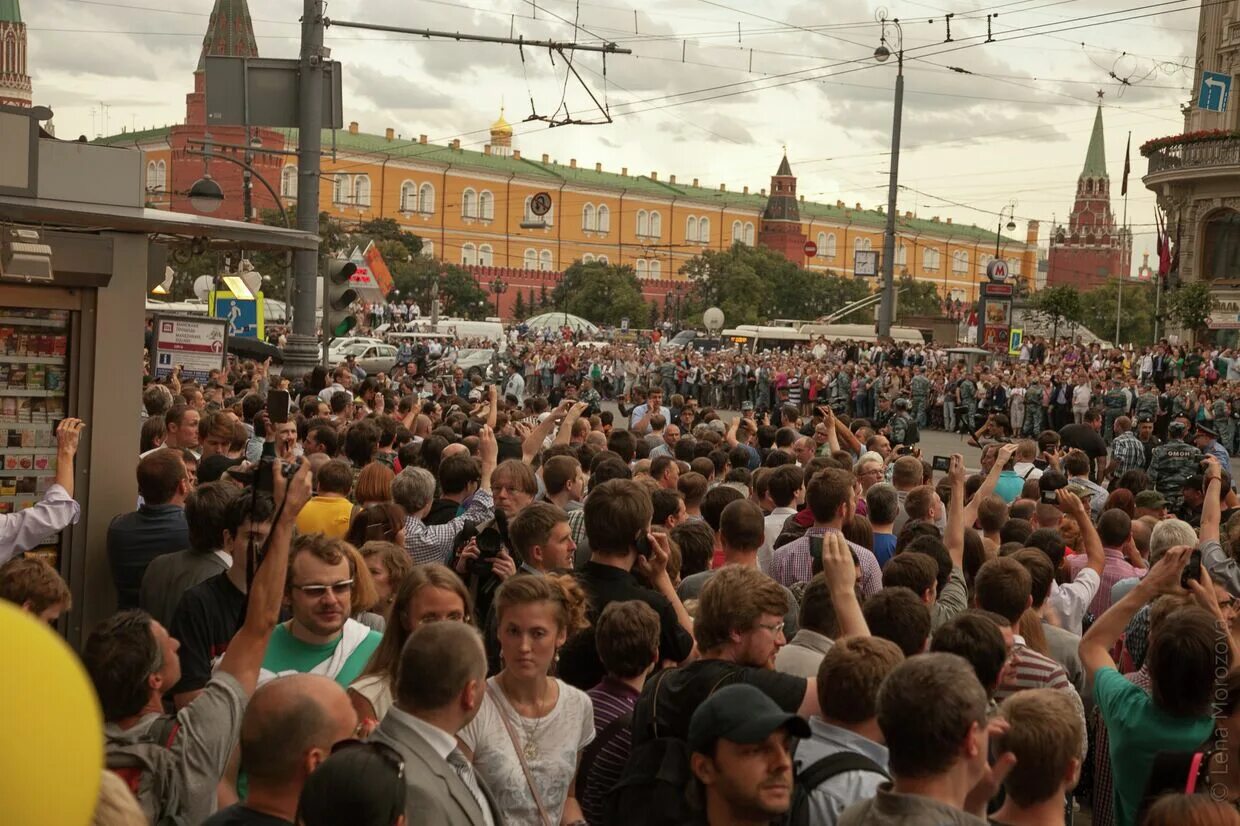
<point>206,195</point>
<point>1011,224</point>
<point>499,288</point>
<point>887,307</point>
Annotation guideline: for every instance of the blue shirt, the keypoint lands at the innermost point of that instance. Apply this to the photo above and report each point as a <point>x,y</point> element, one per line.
<point>1009,486</point>
<point>835,794</point>
<point>884,547</point>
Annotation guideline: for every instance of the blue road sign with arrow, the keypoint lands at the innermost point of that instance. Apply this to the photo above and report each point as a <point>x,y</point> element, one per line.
<point>1215,90</point>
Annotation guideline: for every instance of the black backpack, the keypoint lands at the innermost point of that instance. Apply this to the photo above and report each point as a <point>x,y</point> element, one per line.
<point>651,789</point>
<point>912,434</point>
<point>820,771</point>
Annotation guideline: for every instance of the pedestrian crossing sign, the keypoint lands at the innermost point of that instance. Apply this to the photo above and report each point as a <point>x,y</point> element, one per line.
<point>1016,337</point>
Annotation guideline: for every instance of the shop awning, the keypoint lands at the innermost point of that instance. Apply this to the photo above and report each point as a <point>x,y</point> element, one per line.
<point>153,222</point>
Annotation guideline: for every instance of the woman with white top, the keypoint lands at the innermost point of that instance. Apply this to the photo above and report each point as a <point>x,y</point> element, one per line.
<point>429,593</point>
<point>527,738</point>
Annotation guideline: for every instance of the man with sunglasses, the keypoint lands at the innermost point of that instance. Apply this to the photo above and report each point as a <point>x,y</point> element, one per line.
<point>322,638</point>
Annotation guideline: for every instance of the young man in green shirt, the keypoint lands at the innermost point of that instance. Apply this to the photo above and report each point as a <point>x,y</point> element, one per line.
<point>322,638</point>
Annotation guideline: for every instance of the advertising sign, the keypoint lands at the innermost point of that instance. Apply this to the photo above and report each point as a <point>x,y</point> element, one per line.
<point>195,343</point>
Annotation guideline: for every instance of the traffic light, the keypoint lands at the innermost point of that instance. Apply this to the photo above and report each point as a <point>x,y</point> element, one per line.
<point>338,298</point>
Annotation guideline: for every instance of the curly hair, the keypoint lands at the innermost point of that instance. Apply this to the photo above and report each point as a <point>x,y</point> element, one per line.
<point>563,591</point>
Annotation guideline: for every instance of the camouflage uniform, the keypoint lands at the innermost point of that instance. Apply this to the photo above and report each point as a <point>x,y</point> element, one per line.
<point>920,387</point>
<point>841,389</point>
<point>1035,413</point>
<point>1171,464</point>
<point>1225,425</point>
<point>901,424</point>
<point>968,400</point>
<point>1147,404</point>
<point>1114,405</point>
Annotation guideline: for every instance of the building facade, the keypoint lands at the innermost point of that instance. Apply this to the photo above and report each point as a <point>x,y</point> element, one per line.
<point>473,206</point>
<point>15,87</point>
<point>1091,248</point>
<point>1196,175</point>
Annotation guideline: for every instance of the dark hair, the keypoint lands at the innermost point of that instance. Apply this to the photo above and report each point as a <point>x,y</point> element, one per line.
<point>1182,659</point>
<point>120,654</point>
<point>741,525</point>
<point>917,572</point>
<point>624,444</point>
<point>783,484</point>
<point>616,512</point>
<point>715,500</point>
<point>335,477</point>
<point>1050,542</point>
<point>899,615</point>
<point>827,491</point>
<point>924,738</point>
<point>325,435</point>
<point>1114,527</point>
<point>362,784</point>
<point>1004,586</point>
<point>376,523</point>
<point>206,514</point>
<point>697,544</point>
<point>361,441</point>
<point>666,504</point>
<point>457,472</point>
<point>1015,530</point>
<point>933,547</point>
<point>627,638</point>
<point>159,474</point>
<point>979,639</point>
<point>817,610</point>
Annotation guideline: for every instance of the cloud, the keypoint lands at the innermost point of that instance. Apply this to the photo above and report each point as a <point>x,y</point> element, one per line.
<point>396,93</point>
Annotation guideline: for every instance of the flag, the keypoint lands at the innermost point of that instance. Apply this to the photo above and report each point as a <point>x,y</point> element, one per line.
<point>1164,247</point>
<point>1123,189</point>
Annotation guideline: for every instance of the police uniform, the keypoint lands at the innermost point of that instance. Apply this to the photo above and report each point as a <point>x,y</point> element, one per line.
<point>1114,405</point>
<point>1035,413</point>
<point>968,400</point>
<point>920,387</point>
<point>1226,427</point>
<point>1172,463</point>
<point>901,424</point>
<point>1147,404</point>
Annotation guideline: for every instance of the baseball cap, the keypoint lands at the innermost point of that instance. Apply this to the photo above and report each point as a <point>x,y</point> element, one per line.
<point>1150,499</point>
<point>740,714</point>
<point>1080,489</point>
<point>475,395</point>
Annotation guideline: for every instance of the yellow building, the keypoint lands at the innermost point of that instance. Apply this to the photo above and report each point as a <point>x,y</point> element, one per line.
<point>473,208</point>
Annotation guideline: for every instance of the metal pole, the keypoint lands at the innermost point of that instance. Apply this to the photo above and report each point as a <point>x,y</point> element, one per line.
<point>887,309</point>
<point>1157,304</point>
<point>1123,276</point>
<point>300,353</point>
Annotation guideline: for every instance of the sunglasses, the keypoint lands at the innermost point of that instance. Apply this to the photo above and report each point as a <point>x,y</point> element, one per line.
<point>319,591</point>
<point>385,752</point>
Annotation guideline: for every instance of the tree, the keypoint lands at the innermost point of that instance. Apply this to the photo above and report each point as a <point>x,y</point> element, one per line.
<point>1058,304</point>
<point>544,301</point>
<point>917,298</point>
<point>737,281</point>
<point>654,315</point>
<point>1190,306</point>
<point>518,307</point>
<point>1099,306</point>
<point>602,293</point>
<point>462,296</point>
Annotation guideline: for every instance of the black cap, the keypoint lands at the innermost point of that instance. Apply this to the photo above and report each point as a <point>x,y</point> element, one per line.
<point>212,468</point>
<point>740,713</point>
<point>1145,418</point>
<point>1202,430</point>
<point>1052,480</point>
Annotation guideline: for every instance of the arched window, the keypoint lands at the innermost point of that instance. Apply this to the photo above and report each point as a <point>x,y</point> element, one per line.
<point>643,223</point>
<point>469,255</point>
<point>528,215</point>
<point>486,205</point>
<point>340,188</point>
<point>930,259</point>
<point>485,255</point>
<point>288,182</point>
<point>960,261</point>
<point>656,225</point>
<point>408,197</point>
<point>738,232</point>
<point>152,173</point>
<point>829,246</point>
<point>426,199</point>
<point>602,259</point>
<point>428,249</point>
<point>861,244</point>
<point>604,218</point>
<point>588,220</point>
<point>821,243</point>
<point>656,268</point>
<point>748,233</point>
<point>902,255</point>
<point>469,204</point>
<point>704,230</point>
<point>642,270</point>
<point>691,228</point>
<point>544,260</point>
<point>361,190</point>
<point>529,260</point>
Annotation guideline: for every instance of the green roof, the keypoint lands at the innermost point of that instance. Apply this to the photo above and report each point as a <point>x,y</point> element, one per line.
<point>1096,157</point>
<point>11,11</point>
<point>555,174</point>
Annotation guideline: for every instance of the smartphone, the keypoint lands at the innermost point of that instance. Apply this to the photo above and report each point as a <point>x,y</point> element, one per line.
<point>1192,570</point>
<point>643,546</point>
<point>942,463</point>
<point>1050,497</point>
<point>278,402</point>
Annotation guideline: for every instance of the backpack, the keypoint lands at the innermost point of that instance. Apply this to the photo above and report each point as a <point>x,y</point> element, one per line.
<point>820,771</point>
<point>912,434</point>
<point>651,789</point>
<point>152,772</point>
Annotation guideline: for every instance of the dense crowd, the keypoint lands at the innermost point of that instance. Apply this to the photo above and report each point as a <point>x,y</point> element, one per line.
<point>382,600</point>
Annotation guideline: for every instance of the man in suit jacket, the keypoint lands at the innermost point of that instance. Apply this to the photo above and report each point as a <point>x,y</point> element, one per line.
<point>442,683</point>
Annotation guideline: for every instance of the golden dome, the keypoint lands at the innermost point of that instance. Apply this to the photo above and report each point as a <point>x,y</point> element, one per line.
<point>501,126</point>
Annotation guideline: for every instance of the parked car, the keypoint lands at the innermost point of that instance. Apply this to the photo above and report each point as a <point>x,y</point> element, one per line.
<point>336,351</point>
<point>373,358</point>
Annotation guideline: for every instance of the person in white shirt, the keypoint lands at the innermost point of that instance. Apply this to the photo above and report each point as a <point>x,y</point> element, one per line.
<point>1068,603</point>
<point>784,486</point>
<point>27,528</point>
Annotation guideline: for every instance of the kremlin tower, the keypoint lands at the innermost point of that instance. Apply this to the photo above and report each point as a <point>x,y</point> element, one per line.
<point>781,220</point>
<point>15,89</point>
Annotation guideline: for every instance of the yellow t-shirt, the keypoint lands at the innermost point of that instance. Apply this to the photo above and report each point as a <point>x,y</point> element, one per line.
<point>328,515</point>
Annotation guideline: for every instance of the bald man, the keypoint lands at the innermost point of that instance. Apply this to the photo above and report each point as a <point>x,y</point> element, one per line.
<point>288,729</point>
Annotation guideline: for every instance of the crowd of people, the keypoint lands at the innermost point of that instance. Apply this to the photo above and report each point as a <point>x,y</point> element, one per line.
<point>382,600</point>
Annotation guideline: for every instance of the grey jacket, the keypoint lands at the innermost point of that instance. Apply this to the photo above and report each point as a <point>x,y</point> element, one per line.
<point>436,794</point>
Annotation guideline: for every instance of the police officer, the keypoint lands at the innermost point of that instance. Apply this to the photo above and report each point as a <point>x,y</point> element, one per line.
<point>901,429</point>
<point>1114,405</point>
<point>1206,440</point>
<point>1147,402</point>
<point>1145,434</point>
<point>841,389</point>
<point>1035,413</point>
<point>920,387</point>
<point>884,413</point>
<point>1173,463</point>
<point>968,400</point>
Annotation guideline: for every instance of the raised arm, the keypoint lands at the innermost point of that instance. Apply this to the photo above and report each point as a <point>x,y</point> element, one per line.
<point>493,407</point>
<point>68,437</point>
<point>538,436</point>
<point>565,433</point>
<point>954,538</point>
<point>840,570</point>
<point>1095,557</point>
<point>1006,452</point>
<point>245,653</point>
<point>1220,564</point>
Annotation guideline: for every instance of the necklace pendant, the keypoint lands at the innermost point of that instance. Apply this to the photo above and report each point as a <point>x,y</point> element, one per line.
<point>530,750</point>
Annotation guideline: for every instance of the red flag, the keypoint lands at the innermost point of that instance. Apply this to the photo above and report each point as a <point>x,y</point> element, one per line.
<point>1123,190</point>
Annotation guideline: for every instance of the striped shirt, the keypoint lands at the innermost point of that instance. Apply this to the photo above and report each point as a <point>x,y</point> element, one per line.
<point>612,700</point>
<point>791,563</point>
<point>1027,669</point>
<point>1114,568</point>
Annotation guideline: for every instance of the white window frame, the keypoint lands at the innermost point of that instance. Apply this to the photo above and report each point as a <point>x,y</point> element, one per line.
<point>691,228</point>
<point>361,190</point>
<point>749,234</point>
<point>428,249</point>
<point>288,181</point>
<point>408,196</point>
<point>830,245</point>
<point>655,268</point>
<point>529,259</point>
<point>602,259</point>
<point>469,203</point>
<point>545,261</point>
<point>426,198</point>
<point>656,225</point>
<point>588,221</point>
<point>486,255</point>
<point>469,255</point>
<point>704,229</point>
<point>643,223</point>
<point>738,232</point>
<point>641,268</point>
<point>603,217</point>
<point>342,190</point>
<point>486,205</point>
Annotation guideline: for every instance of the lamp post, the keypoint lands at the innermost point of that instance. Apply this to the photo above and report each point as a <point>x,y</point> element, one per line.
<point>499,288</point>
<point>887,308</point>
<point>1011,224</point>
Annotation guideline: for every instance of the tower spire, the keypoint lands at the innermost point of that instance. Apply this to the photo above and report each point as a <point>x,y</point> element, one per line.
<point>1096,157</point>
<point>230,33</point>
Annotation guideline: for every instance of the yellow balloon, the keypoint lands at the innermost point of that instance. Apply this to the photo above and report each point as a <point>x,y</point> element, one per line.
<point>51,728</point>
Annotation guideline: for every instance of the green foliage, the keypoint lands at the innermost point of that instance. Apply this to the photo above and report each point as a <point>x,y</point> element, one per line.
<point>917,298</point>
<point>1059,305</point>
<point>602,293</point>
<point>462,296</point>
<point>1099,306</point>
<point>518,307</point>
<point>1190,306</point>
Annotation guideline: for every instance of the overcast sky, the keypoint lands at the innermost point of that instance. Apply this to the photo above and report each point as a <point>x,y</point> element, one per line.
<point>698,98</point>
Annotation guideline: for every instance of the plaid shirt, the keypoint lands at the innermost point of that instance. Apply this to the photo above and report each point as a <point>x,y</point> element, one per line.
<point>1104,779</point>
<point>1128,453</point>
<point>433,543</point>
<point>791,563</point>
<point>1115,568</point>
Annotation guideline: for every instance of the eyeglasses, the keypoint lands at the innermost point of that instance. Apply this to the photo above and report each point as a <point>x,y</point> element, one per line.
<point>385,752</point>
<point>340,588</point>
<point>776,629</point>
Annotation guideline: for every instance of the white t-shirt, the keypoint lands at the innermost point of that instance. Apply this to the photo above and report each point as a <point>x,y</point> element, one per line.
<point>377,689</point>
<point>559,738</point>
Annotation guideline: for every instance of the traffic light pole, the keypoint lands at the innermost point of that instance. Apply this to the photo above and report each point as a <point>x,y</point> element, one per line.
<point>301,352</point>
